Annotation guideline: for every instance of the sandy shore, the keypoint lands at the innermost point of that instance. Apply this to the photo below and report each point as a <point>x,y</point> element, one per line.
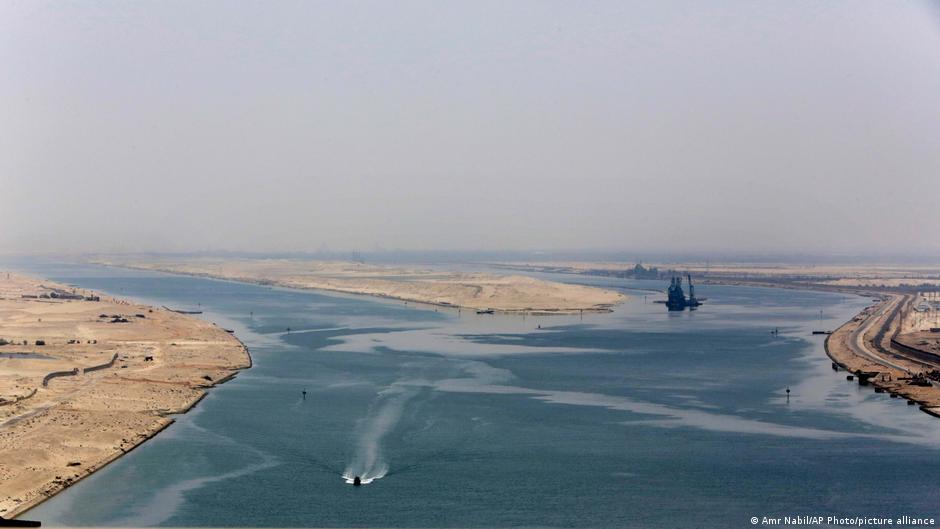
<point>513,293</point>
<point>153,363</point>
<point>864,344</point>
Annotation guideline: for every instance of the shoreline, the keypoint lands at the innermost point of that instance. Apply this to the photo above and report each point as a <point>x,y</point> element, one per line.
<point>847,348</point>
<point>89,470</point>
<point>897,365</point>
<point>165,364</point>
<point>612,299</point>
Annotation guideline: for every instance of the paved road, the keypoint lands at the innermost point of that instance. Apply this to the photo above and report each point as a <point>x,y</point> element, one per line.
<point>857,338</point>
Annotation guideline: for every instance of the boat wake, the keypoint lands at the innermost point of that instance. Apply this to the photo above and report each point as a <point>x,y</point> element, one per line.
<point>368,461</point>
<point>351,480</point>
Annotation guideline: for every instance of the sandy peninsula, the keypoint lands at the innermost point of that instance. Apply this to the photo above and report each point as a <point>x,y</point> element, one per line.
<point>123,369</point>
<point>477,291</point>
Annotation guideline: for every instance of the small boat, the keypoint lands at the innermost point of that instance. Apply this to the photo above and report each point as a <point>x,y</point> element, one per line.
<point>485,311</point>
<point>822,332</point>
<point>864,376</point>
<point>357,481</point>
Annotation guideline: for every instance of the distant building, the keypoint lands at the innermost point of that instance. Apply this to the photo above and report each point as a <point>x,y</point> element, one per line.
<point>639,272</point>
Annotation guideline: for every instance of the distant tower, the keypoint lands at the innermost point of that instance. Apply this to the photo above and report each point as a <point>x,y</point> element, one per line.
<point>693,301</point>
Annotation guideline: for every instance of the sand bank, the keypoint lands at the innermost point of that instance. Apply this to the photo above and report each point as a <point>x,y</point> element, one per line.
<point>475,291</point>
<point>56,433</point>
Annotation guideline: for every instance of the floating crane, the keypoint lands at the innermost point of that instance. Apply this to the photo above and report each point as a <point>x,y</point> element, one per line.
<point>693,301</point>
<point>676,300</point>
<point>675,296</point>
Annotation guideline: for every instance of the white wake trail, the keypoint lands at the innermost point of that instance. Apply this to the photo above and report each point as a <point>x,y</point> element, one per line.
<point>368,462</point>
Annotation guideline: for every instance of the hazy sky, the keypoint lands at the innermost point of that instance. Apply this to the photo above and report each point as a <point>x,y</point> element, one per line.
<point>655,125</point>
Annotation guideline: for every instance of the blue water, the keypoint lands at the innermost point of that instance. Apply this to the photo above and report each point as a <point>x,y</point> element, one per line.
<point>637,418</point>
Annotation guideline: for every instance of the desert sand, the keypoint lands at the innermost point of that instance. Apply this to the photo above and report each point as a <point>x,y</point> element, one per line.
<point>476,291</point>
<point>55,434</point>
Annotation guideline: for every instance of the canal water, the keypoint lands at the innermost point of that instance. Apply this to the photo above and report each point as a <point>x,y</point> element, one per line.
<point>636,418</point>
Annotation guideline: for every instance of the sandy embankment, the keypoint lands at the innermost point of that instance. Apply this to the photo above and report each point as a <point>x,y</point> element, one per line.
<point>52,436</point>
<point>475,291</point>
<point>892,368</point>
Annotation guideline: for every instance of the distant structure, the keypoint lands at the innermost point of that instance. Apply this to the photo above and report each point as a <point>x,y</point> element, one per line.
<point>641,272</point>
<point>676,299</point>
<point>637,272</point>
<point>62,294</point>
<point>675,296</point>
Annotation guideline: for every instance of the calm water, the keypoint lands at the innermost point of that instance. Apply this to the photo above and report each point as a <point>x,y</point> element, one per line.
<point>639,418</point>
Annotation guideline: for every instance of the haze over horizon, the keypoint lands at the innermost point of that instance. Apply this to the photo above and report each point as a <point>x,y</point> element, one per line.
<point>281,126</point>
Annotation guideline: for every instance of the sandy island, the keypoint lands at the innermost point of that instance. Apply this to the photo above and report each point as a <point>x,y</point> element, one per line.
<point>136,365</point>
<point>477,291</point>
